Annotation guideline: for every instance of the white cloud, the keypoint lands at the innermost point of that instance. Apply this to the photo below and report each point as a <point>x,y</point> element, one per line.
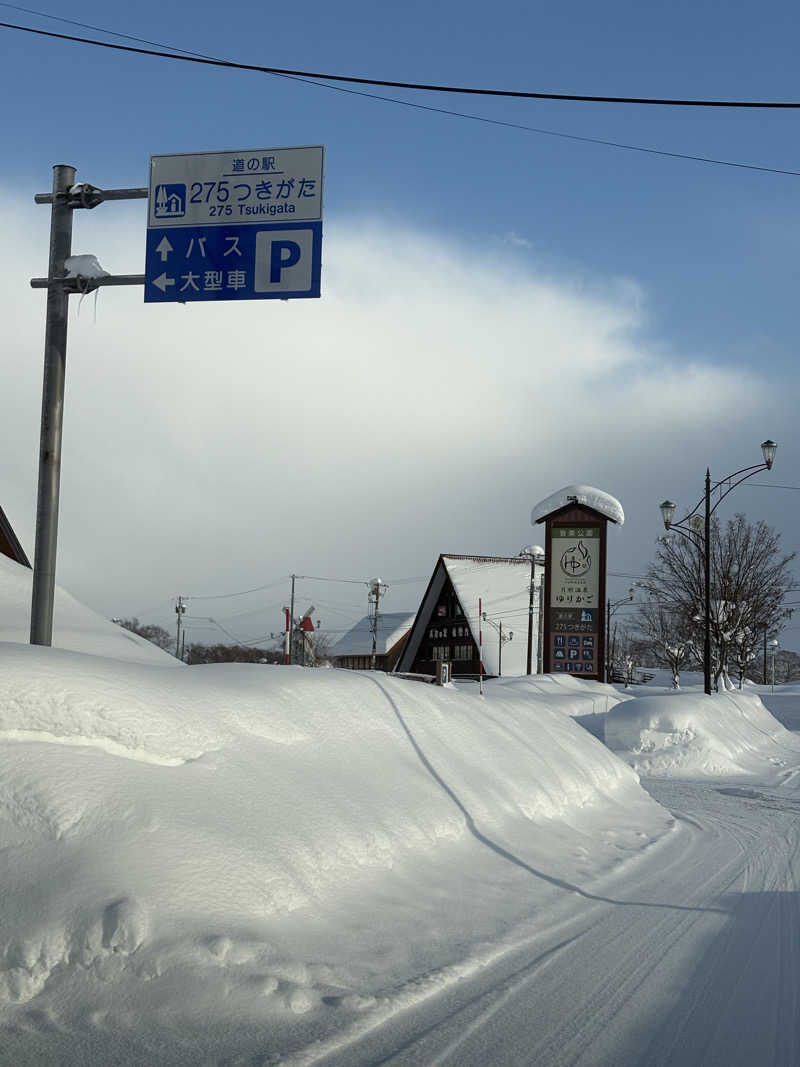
<point>513,238</point>
<point>422,405</point>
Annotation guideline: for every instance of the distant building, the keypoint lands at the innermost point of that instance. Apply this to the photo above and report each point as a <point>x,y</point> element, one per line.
<point>9,545</point>
<point>354,650</point>
<point>447,625</point>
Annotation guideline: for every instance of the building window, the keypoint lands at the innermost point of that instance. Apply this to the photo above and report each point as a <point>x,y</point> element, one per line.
<point>462,652</point>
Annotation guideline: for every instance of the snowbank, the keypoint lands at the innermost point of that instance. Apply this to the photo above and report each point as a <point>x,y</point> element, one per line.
<point>691,735</point>
<point>207,861</point>
<point>75,626</point>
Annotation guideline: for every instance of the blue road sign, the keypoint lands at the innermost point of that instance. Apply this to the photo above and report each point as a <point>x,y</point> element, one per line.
<point>278,261</point>
<point>243,225</point>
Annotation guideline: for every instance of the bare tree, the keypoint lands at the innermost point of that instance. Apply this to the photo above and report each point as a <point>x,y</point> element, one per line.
<point>750,579</point>
<point>157,635</point>
<point>661,632</point>
<point>231,654</point>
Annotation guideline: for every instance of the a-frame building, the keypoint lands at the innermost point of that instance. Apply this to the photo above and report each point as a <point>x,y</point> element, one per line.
<point>448,625</point>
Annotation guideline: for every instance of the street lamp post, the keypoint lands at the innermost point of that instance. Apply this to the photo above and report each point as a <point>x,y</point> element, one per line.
<point>773,648</point>
<point>690,525</point>
<point>611,607</point>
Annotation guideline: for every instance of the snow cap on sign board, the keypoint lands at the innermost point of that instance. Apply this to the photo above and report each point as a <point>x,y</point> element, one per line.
<point>587,495</point>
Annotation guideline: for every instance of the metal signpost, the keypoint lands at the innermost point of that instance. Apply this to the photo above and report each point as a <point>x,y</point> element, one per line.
<point>241,225</point>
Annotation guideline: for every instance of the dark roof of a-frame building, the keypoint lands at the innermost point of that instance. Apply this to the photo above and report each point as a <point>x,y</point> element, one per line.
<point>9,543</point>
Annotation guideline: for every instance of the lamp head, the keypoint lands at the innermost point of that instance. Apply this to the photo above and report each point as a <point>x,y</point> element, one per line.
<point>667,509</point>
<point>768,450</point>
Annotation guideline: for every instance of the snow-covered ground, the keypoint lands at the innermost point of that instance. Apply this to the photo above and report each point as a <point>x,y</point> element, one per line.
<point>243,857</point>
<point>75,626</point>
<point>248,864</point>
<point>691,735</point>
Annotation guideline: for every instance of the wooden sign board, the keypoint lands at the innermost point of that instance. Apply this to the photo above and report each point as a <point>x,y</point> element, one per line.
<point>575,592</point>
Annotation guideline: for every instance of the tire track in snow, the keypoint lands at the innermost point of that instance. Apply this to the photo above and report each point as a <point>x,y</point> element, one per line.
<point>627,988</point>
<point>504,853</point>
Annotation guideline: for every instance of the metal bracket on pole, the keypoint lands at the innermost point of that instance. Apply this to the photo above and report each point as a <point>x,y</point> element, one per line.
<point>89,196</point>
<point>80,284</point>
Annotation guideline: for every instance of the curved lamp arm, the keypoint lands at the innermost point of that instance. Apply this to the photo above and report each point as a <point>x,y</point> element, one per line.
<point>687,533</point>
<point>768,450</point>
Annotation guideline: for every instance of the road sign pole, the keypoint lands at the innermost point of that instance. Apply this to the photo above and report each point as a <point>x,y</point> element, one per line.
<point>55,357</point>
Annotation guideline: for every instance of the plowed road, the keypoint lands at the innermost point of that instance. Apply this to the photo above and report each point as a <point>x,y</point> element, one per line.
<point>694,959</point>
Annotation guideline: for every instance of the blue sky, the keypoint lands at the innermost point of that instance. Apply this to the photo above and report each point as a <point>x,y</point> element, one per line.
<point>701,258</point>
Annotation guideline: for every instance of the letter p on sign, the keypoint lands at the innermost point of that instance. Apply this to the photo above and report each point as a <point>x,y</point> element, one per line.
<point>284,261</point>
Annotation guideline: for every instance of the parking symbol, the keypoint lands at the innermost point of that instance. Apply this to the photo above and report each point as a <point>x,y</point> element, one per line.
<point>284,261</point>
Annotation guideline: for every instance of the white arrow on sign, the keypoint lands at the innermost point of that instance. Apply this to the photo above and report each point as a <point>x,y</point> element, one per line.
<point>164,248</point>
<point>162,281</point>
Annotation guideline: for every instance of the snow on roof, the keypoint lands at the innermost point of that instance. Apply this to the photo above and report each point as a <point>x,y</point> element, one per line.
<point>75,626</point>
<point>605,503</point>
<point>392,625</point>
<point>503,586</point>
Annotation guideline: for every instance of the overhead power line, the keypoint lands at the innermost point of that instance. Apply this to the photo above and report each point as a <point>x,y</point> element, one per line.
<point>171,52</point>
<point>344,581</point>
<point>646,150</point>
<point>244,592</point>
<point>514,94</point>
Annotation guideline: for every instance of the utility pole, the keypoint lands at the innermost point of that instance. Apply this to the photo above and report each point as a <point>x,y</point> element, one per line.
<point>500,652</point>
<point>376,587</point>
<point>529,667</point>
<point>291,623</point>
<point>540,632</point>
<point>480,644</point>
<point>530,553</point>
<point>55,359</point>
<point>180,611</point>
